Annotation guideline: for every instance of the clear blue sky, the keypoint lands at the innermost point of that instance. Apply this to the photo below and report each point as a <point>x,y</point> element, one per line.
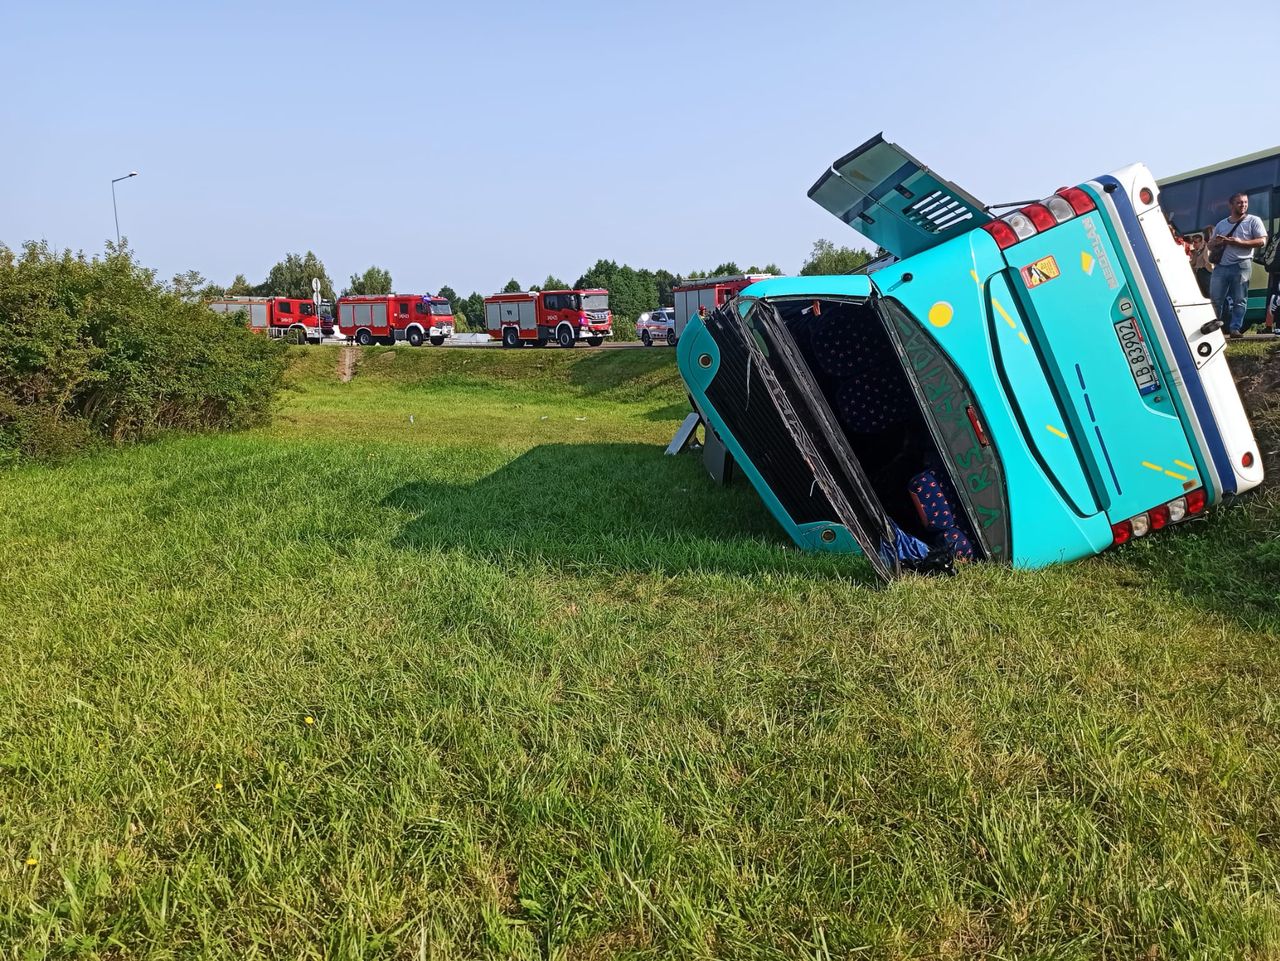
<point>467,144</point>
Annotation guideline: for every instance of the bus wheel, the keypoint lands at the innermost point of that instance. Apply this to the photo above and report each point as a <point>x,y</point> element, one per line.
<point>595,341</point>
<point>414,337</point>
<point>509,337</point>
<point>437,341</point>
<point>564,336</point>
<point>364,338</point>
<point>646,339</point>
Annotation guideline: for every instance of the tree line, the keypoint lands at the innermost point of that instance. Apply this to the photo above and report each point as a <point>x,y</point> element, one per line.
<point>631,290</point>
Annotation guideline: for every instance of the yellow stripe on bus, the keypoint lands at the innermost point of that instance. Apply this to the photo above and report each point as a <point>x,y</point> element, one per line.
<point>1000,310</point>
<point>1184,465</point>
<point>1176,476</point>
<point>1053,430</point>
<point>1155,467</point>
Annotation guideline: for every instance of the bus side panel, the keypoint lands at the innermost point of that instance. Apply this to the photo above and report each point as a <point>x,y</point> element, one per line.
<point>1077,304</point>
<point>949,297</point>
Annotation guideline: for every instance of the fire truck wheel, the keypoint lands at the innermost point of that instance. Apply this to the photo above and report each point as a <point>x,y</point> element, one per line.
<point>595,341</point>
<point>364,338</point>
<point>564,336</point>
<point>297,335</point>
<point>414,337</point>
<point>437,341</point>
<point>510,338</point>
<point>646,339</point>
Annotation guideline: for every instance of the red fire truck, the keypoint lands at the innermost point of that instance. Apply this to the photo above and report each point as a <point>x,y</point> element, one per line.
<point>541,316</point>
<point>710,293</point>
<point>387,318</point>
<point>291,318</point>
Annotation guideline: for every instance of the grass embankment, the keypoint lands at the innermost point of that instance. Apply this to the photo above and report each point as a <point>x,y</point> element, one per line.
<point>499,681</point>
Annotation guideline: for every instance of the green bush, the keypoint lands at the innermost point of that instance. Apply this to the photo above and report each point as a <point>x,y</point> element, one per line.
<point>96,348</point>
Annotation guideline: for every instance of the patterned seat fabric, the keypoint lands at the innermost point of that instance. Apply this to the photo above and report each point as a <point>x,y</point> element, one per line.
<point>870,392</point>
<point>933,498</point>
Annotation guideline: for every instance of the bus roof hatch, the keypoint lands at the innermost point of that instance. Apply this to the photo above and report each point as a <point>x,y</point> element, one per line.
<point>885,194</point>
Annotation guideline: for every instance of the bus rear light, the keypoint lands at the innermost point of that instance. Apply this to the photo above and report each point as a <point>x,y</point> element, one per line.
<point>1247,459</point>
<point>1145,195</point>
<point>1060,209</point>
<point>978,432</point>
<point>1080,201</point>
<point>1022,225</point>
<point>1002,232</point>
<point>1040,216</point>
<point>1178,509</point>
<point>1159,517</point>
<point>1196,501</point>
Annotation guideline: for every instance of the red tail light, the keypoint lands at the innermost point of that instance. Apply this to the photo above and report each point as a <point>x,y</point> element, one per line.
<point>978,432</point>
<point>1039,215</point>
<point>1121,533</point>
<point>1080,201</point>
<point>1002,232</point>
<point>1159,517</point>
<point>1196,501</point>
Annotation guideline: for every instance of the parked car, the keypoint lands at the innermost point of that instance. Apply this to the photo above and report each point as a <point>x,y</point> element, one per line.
<point>657,326</point>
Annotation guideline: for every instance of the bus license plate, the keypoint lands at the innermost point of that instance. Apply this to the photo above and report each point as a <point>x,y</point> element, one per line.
<point>1135,351</point>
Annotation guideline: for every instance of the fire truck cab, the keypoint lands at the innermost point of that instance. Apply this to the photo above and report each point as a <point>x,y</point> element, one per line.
<point>289,318</point>
<point>541,316</point>
<point>710,292</point>
<point>387,318</point>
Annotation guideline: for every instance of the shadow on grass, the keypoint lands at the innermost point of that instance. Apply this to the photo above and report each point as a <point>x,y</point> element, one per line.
<point>611,507</point>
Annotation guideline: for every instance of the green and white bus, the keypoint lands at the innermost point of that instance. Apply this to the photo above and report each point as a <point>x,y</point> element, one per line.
<point>1198,198</point>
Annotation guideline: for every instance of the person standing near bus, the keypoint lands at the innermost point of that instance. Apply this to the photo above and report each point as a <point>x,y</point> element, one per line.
<point>1233,241</point>
<point>1200,262</point>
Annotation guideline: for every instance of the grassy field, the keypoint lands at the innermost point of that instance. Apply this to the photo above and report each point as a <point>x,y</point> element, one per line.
<point>450,662</point>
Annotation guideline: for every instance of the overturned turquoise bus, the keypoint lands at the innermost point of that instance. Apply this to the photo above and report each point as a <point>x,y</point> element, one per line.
<point>1026,389</point>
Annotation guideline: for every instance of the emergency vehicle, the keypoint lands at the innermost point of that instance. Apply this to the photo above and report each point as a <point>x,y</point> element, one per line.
<point>291,318</point>
<point>1024,389</point>
<point>541,316</point>
<point>387,318</point>
<point>710,292</point>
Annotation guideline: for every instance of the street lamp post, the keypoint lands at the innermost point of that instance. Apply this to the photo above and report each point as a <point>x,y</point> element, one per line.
<point>131,173</point>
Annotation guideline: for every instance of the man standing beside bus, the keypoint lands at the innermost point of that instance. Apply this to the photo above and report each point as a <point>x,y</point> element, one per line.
<point>1233,242</point>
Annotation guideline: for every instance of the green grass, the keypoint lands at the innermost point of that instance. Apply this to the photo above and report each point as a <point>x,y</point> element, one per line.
<point>569,700</point>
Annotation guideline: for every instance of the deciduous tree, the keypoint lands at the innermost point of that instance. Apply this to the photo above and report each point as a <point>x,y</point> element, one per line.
<point>826,258</point>
<point>375,280</point>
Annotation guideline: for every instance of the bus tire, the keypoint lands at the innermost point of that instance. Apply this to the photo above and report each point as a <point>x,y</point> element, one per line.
<point>510,337</point>
<point>646,339</point>
<point>364,338</point>
<point>564,336</point>
<point>414,337</point>
<point>595,341</point>
<point>437,341</point>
